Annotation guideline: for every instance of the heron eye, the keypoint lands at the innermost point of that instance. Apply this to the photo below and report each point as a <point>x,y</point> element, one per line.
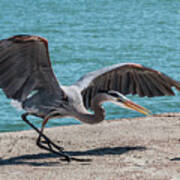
<point>119,100</point>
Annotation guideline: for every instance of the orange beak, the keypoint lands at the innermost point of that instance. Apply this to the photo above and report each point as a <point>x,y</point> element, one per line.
<point>131,105</point>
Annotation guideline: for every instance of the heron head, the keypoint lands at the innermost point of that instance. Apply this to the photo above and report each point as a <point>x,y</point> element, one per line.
<point>120,100</point>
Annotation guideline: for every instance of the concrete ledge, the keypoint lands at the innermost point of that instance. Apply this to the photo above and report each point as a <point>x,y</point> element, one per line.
<point>139,148</point>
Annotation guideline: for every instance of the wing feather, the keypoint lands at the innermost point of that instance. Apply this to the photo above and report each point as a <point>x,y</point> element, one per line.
<point>25,66</point>
<point>128,78</point>
<point>132,85</point>
<point>125,83</point>
<point>145,86</point>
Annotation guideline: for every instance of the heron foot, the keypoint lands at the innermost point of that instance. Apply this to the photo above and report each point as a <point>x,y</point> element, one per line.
<point>49,143</point>
<point>59,150</point>
<point>51,147</point>
<point>55,145</point>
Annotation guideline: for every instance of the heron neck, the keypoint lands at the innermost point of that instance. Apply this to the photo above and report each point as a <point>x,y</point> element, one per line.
<point>97,116</point>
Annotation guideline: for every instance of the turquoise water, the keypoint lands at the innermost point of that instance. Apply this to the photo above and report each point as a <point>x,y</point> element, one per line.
<point>86,35</point>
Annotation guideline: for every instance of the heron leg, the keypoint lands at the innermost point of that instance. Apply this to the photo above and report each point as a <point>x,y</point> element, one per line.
<point>49,143</point>
<point>67,157</point>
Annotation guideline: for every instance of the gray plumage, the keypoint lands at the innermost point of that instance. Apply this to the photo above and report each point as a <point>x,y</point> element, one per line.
<point>128,78</point>
<point>26,75</point>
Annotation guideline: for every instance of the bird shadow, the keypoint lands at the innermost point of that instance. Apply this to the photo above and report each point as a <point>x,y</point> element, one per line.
<point>175,159</point>
<point>30,159</point>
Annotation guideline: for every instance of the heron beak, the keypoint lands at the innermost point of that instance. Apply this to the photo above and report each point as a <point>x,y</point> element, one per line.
<point>131,105</point>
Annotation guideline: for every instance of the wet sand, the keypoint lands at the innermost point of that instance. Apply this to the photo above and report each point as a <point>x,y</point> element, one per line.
<point>140,148</point>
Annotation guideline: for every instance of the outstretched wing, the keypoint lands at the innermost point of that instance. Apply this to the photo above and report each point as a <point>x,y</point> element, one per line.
<point>25,66</point>
<point>126,78</point>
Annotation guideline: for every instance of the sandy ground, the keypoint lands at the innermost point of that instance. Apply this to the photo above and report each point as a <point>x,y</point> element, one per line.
<point>140,148</point>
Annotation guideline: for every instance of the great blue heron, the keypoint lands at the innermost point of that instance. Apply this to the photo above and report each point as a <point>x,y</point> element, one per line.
<point>26,76</point>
